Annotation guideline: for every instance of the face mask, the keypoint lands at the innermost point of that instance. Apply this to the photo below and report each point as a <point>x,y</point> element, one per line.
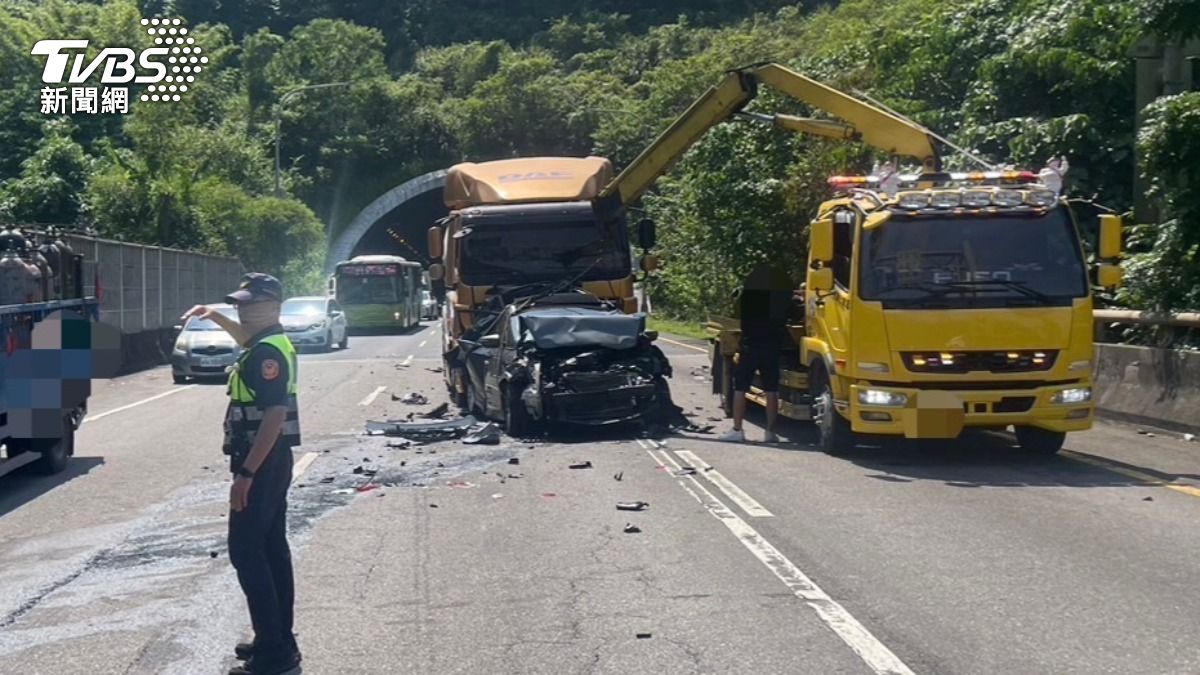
<point>259,315</point>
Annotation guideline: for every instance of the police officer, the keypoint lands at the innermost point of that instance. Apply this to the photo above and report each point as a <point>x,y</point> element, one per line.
<point>261,427</point>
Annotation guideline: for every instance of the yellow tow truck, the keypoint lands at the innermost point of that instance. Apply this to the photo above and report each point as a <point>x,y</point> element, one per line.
<point>933,302</point>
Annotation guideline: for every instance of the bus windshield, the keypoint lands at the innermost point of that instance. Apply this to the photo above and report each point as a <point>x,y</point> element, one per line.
<point>996,261</point>
<point>356,289</point>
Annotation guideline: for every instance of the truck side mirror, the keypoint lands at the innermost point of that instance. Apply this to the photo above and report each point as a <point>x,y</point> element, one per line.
<point>437,272</point>
<point>647,234</point>
<point>490,341</point>
<point>1109,275</point>
<point>820,241</point>
<point>434,240</point>
<point>820,279</point>
<point>1110,236</point>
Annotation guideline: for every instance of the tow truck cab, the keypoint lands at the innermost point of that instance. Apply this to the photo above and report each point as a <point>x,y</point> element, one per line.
<point>949,305</point>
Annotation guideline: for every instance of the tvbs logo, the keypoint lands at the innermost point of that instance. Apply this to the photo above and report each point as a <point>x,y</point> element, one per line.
<point>118,63</point>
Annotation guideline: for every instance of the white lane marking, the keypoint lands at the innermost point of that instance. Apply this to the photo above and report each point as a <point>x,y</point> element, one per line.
<point>106,413</point>
<point>874,653</point>
<point>408,361</point>
<point>302,465</point>
<point>680,344</point>
<point>423,343</point>
<point>735,493</point>
<point>371,396</point>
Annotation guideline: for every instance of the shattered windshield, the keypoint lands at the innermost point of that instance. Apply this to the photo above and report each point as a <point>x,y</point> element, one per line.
<point>520,253</point>
<point>1003,261</point>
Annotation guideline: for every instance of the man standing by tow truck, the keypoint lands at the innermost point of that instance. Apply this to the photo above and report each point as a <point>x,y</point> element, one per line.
<point>261,427</point>
<point>762,307</point>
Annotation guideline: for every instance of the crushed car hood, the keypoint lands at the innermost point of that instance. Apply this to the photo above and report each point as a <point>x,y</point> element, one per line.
<point>575,327</point>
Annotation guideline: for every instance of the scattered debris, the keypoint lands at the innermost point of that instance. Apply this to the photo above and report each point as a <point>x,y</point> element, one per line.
<point>686,471</point>
<point>412,398</point>
<point>644,636</point>
<point>368,487</point>
<point>366,459</point>
<point>487,434</point>
<point>403,462</point>
<point>460,484</point>
<point>1143,432</point>
<point>438,412</point>
<point>435,370</point>
<point>549,495</point>
<point>327,479</point>
<point>423,432</point>
<point>632,529</point>
<point>344,491</point>
<point>433,506</point>
<point>633,506</point>
<point>441,466</point>
<point>618,475</point>
<point>401,444</point>
<point>514,460</point>
<point>1149,435</point>
<point>581,465</point>
<point>714,419</point>
<point>363,471</point>
<point>1189,437</point>
<point>212,554</point>
<point>1148,499</point>
<point>497,496</point>
<point>514,476</point>
<point>697,429</point>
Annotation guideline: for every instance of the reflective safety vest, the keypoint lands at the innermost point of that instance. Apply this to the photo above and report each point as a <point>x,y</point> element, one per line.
<point>243,417</point>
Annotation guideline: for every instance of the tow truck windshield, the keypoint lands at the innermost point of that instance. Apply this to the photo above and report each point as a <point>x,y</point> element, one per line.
<point>957,262</point>
<point>511,253</point>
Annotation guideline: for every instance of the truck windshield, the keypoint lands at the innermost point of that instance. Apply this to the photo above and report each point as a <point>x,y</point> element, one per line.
<point>995,261</point>
<point>521,253</point>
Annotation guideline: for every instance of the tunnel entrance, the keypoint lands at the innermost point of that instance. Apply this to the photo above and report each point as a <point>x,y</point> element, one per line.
<point>393,224</point>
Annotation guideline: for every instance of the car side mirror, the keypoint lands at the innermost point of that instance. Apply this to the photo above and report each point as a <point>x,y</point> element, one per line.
<point>647,234</point>
<point>434,240</point>
<point>820,241</point>
<point>490,341</point>
<point>1110,236</point>
<point>821,279</point>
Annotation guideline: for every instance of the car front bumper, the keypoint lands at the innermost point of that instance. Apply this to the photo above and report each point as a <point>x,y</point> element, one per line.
<point>614,406</point>
<point>201,365</point>
<point>311,337</point>
<point>939,413</point>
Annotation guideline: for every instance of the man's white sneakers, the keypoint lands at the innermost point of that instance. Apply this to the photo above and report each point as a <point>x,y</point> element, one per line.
<point>770,437</point>
<point>735,436</point>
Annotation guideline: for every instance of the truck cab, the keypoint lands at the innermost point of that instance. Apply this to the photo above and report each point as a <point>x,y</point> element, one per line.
<point>960,302</point>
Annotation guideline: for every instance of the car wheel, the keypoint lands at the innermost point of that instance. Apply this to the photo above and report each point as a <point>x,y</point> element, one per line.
<point>516,418</point>
<point>328,346</point>
<point>178,379</point>
<point>835,436</point>
<point>345,343</point>
<point>1040,441</point>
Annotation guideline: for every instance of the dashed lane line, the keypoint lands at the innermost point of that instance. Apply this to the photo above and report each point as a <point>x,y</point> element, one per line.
<point>302,465</point>
<point>370,398</point>
<point>866,646</point>
<point>681,344</point>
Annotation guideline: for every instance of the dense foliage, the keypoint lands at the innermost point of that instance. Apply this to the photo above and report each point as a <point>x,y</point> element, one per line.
<point>434,82</point>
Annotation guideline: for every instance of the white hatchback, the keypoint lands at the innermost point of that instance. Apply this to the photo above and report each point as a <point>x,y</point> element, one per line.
<point>315,321</point>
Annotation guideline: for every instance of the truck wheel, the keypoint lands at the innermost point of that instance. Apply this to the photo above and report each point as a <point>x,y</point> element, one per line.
<point>54,457</point>
<point>178,379</point>
<point>516,417</point>
<point>1040,441</point>
<point>457,377</point>
<point>835,436</point>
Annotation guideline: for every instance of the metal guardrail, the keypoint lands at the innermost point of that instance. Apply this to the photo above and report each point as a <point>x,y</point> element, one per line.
<point>1136,317</point>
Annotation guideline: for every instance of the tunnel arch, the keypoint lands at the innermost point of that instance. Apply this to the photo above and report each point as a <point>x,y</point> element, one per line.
<point>342,246</point>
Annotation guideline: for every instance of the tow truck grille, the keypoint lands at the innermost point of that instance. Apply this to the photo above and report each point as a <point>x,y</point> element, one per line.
<point>1011,361</point>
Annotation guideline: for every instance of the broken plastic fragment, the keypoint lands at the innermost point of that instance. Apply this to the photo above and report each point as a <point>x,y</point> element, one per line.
<point>581,465</point>
<point>438,412</point>
<point>633,506</point>
<point>632,529</point>
<point>686,471</point>
<point>488,434</point>
<point>514,460</point>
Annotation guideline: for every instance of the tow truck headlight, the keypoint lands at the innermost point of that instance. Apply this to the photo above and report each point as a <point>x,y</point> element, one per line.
<point>1007,198</point>
<point>976,198</point>
<point>1072,396</point>
<point>1040,198</point>
<point>881,397</point>
<point>945,199</point>
<point>913,200</point>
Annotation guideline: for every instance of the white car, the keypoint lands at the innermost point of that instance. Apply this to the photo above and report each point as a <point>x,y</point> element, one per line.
<point>315,321</point>
<point>429,306</point>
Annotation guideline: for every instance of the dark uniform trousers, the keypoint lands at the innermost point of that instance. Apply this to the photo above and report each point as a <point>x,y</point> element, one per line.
<point>258,549</point>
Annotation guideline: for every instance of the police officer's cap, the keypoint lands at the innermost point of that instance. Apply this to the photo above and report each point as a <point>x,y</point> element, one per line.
<point>256,287</point>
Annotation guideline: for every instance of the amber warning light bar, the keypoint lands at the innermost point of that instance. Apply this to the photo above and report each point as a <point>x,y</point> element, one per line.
<point>972,178</point>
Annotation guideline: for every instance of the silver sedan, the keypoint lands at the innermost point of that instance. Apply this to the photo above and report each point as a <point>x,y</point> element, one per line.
<point>203,349</point>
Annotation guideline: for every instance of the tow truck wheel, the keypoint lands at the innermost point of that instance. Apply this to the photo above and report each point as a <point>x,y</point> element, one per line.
<point>516,418</point>
<point>1040,441</point>
<point>835,436</point>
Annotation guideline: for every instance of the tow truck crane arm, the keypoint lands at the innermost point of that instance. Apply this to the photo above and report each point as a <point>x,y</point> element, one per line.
<point>862,122</point>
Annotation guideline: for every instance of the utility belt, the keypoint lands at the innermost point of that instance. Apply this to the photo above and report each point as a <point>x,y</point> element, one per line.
<point>242,424</point>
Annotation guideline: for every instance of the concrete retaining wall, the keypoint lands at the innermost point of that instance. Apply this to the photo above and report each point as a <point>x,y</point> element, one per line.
<point>1148,385</point>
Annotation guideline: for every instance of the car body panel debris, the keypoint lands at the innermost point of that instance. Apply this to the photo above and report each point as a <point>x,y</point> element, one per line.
<point>633,506</point>
<point>438,412</point>
<point>486,434</point>
<point>632,529</point>
<point>413,398</point>
<point>581,465</point>
<point>423,431</point>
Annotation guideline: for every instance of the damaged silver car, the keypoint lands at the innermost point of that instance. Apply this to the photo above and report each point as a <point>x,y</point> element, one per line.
<point>565,359</point>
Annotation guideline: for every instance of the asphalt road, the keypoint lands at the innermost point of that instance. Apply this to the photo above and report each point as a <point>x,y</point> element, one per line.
<point>967,557</point>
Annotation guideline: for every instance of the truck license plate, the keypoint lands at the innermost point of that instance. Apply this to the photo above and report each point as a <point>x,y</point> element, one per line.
<point>210,361</point>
